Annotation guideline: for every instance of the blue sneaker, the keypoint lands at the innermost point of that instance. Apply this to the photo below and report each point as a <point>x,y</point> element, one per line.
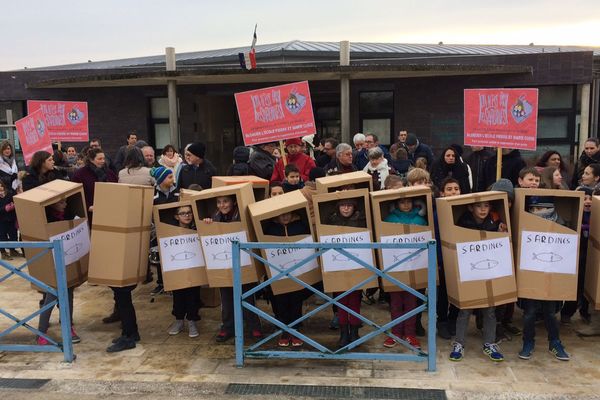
<point>558,350</point>
<point>493,352</point>
<point>525,353</point>
<point>457,352</point>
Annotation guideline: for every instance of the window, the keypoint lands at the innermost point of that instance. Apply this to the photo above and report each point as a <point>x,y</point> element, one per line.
<point>327,120</point>
<point>159,121</point>
<point>376,114</point>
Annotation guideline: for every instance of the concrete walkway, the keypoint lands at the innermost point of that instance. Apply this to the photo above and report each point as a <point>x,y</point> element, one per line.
<point>177,361</point>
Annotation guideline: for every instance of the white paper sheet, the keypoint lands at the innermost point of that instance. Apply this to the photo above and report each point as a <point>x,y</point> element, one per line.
<point>549,252</point>
<point>181,252</point>
<point>484,259</point>
<point>335,261</point>
<point>76,242</point>
<point>288,257</point>
<point>392,256</point>
<point>217,250</point>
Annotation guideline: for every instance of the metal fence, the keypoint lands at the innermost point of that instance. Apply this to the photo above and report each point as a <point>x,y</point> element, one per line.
<point>66,346</point>
<point>321,351</point>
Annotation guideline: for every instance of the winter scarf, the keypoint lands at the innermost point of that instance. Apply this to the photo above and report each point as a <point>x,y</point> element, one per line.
<point>382,170</point>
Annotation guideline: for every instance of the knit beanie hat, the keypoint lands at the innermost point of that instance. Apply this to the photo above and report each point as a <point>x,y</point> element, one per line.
<point>504,185</point>
<point>296,141</point>
<point>198,149</point>
<point>160,174</point>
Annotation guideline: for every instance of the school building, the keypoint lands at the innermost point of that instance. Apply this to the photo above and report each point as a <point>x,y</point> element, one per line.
<point>355,87</point>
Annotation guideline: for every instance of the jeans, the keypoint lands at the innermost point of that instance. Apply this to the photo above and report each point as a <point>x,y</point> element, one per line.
<point>548,309</point>
<point>186,303</point>
<point>287,307</point>
<point>489,324</point>
<point>227,314</point>
<point>44,321</point>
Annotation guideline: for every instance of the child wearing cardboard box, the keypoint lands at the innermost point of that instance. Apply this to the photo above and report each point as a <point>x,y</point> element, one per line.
<point>347,214</point>
<point>287,307</point>
<point>275,189</point>
<point>543,207</point>
<point>228,211</point>
<point>403,302</point>
<point>478,217</point>
<point>292,180</point>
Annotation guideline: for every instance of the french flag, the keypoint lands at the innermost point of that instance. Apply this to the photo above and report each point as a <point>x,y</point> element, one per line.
<point>248,59</point>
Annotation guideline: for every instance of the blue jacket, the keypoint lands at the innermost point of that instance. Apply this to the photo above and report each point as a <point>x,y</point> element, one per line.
<point>411,217</point>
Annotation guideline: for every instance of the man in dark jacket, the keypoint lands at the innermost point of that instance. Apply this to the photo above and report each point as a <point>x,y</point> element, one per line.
<point>199,170</point>
<point>417,149</point>
<point>328,153</point>
<point>120,157</point>
<point>512,164</point>
<point>262,161</point>
<point>477,160</point>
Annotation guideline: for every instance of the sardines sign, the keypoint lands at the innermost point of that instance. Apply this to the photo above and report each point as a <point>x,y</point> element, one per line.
<point>549,252</point>
<point>181,252</point>
<point>217,250</point>
<point>76,242</point>
<point>275,113</point>
<point>392,256</point>
<point>336,261</point>
<point>484,259</point>
<point>290,256</point>
<point>504,118</point>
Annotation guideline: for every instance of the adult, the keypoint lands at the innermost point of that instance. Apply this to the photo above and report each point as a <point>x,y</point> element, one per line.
<point>343,160</point>
<point>417,150</point>
<point>362,157</point>
<point>590,155</point>
<point>359,141</point>
<point>378,168</point>
<point>262,161</point>
<point>512,164</point>
<point>450,165</point>
<point>591,176</point>
<point>8,166</point>
<point>476,161</point>
<point>148,152</point>
<point>239,167</point>
<point>552,179</point>
<point>135,171</point>
<point>95,143</point>
<point>122,152</point>
<point>95,170</point>
<point>71,156</point>
<point>198,170</point>
<point>402,135</point>
<point>41,170</point>
<point>552,158</point>
<point>169,158</point>
<point>294,156</point>
<point>328,152</point>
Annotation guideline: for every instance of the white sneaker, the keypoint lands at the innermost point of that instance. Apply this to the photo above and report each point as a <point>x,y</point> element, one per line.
<point>192,329</point>
<point>176,327</point>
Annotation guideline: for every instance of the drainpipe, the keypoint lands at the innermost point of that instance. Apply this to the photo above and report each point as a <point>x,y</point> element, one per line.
<point>345,92</point>
<point>172,93</point>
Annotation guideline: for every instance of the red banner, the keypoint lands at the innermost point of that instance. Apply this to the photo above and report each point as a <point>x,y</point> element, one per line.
<point>33,135</point>
<point>67,120</point>
<point>504,118</point>
<point>275,113</point>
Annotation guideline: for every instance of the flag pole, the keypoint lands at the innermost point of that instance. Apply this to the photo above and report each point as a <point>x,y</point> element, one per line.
<point>499,164</point>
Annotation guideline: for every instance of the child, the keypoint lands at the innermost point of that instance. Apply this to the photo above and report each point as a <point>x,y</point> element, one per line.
<point>478,217</point>
<point>403,302</point>
<point>287,307</point>
<point>292,181</point>
<point>418,177</point>
<point>347,214</point>
<point>529,178</point>
<point>55,212</point>
<point>186,302</point>
<point>275,189</point>
<point>228,211</point>
<point>394,182</point>
<point>378,168</point>
<point>543,207</point>
<point>8,219</point>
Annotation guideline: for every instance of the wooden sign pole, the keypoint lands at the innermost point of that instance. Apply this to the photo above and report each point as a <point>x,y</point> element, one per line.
<point>282,150</point>
<point>499,164</point>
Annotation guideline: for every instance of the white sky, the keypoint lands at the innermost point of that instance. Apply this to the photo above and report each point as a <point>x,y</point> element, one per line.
<point>42,33</point>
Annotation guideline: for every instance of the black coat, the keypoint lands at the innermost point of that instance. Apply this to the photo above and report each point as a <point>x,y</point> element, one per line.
<point>261,163</point>
<point>7,216</point>
<point>477,161</point>
<point>32,179</point>
<point>512,164</point>
<point>459,171</point>
<point>297,227</point>
<point>201,175</point>
<point>468,221</point>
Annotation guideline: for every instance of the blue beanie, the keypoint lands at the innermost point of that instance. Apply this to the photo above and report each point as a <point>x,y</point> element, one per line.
<point>160,174</point>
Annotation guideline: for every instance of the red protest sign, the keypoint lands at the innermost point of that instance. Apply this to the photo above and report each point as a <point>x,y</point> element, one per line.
<point>505,118</point>
<point>33,135</point>
<point>275,113</point>
<point>67,120</point>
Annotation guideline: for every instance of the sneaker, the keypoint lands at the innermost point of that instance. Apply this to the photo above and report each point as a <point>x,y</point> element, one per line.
<point>74,337</point>
<point>284,341</point>
<point>157,290</point>
<point>257,334</point>
<point>558,350</point>
<point>296,342</point>
<point>510,328</point>
<point>123,343</point>
<point>223,336</point>
<point>176,327</point>
<point>413,341</point>
<point>41,341</point>
<point>389,343</point>
<point>135,337</point>
<point>193,329</point>
<point>457,352</point>
<point>527,350</point>
<point>493,352</point>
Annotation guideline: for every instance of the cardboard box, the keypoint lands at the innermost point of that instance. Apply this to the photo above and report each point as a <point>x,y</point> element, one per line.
<point>120,234</point>
<point>358,179</point>
<point>339,273</point>
<point>592,266</point>
<point>34,226</point>
<point>186,194</point>
<point>260,186</point>
<point>478,265</point>
<point>547,253</point>
<point>181,258</point>
<point>216,237</point>
<point>414,271</point>
<point>265,210</point>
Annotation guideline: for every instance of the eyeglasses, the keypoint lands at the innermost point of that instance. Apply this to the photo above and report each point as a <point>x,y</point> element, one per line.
<point>185,214</point>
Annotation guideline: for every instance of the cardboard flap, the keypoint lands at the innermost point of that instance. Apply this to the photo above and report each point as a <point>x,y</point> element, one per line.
<point>50,192</point>
<point>218,181</point>
<point>332,183</point>
<point>275,206</point>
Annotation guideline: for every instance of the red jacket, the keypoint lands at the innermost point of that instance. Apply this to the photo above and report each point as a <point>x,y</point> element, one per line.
<point>300,160</point>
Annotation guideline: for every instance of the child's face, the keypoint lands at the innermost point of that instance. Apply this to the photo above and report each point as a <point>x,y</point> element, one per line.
<point>168,182</point>
<point>529,181</point>
<point>451,189</point>
<point>293,178</point>
<point>346,209</point>
<point>557,178</point>
<point>224,204</point>
<point>587,203</point>
<point>284,218</point>
<point>405,205</point>
<point>420,182</point>
<point>59,206</point>
<point>537,209</point>
<point>375,163</point>
<point>396,185</point>
<point>480,210</point>
<point>276,191</point>
<point>184,216</point>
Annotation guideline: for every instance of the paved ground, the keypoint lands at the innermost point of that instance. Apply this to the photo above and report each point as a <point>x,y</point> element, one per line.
<point>200,368</point>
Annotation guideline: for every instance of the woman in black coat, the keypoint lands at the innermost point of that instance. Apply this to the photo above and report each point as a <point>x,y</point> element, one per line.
<point>450,165</point>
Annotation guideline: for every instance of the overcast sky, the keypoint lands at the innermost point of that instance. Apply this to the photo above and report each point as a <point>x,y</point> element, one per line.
<point>42,33</point>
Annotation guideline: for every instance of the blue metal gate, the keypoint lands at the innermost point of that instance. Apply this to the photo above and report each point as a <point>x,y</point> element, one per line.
<point>60,292</point>
<point>322,352</point>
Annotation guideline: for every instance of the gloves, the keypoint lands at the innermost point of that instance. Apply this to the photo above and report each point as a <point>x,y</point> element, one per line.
<point>9,207</point>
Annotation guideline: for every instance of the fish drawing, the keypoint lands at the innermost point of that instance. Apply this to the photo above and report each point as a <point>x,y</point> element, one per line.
<point>222,256</point>
<point>482,265</point>
<point>183,256</point>
<point>73,249</point>
<point>548,257</point>
<point>400,256</point>
<point>289,263</point>
<point>337,257</point>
